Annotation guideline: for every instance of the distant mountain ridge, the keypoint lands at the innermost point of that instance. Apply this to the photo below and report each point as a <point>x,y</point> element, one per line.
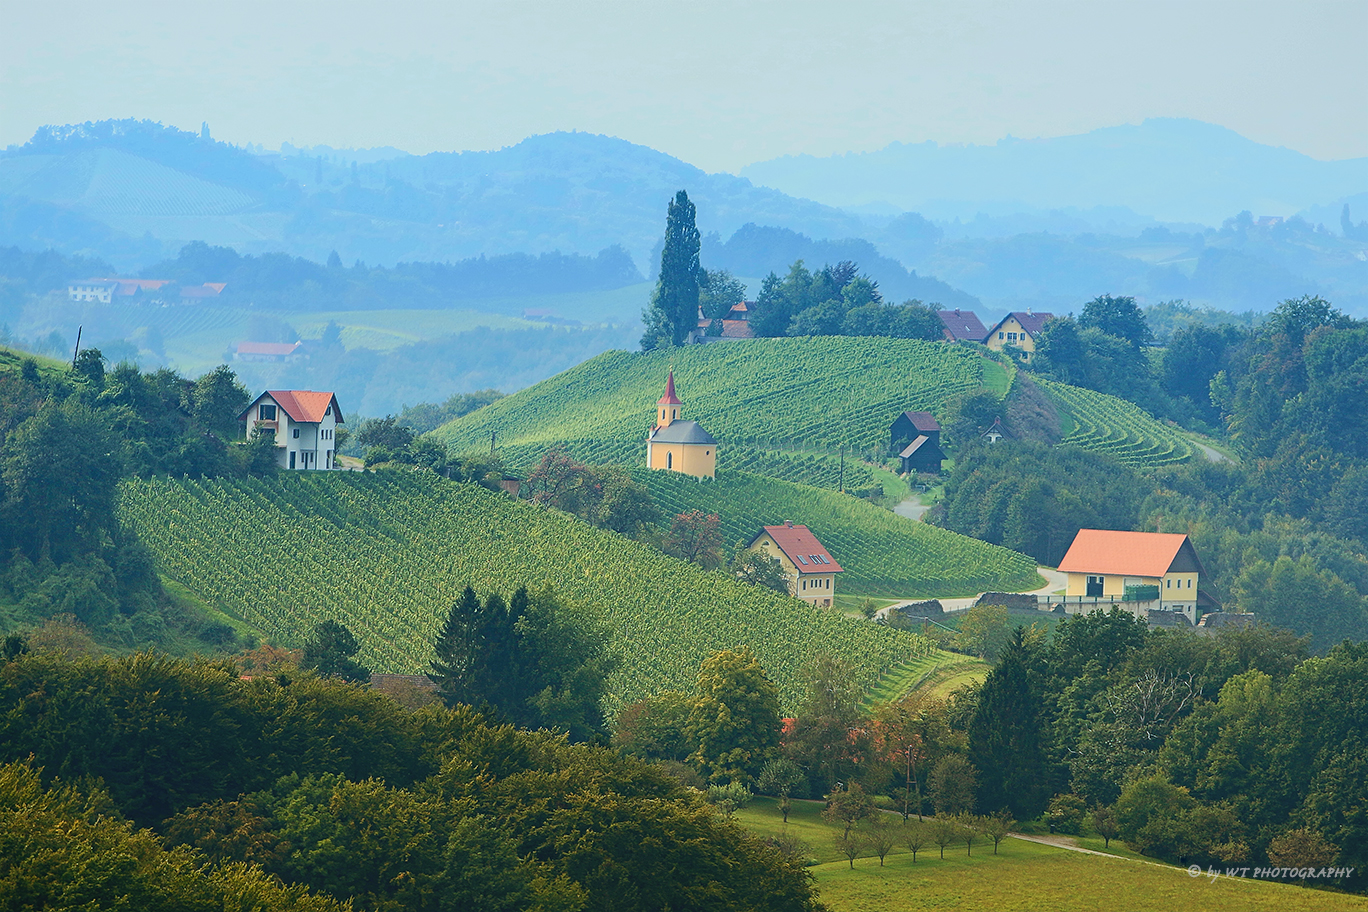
<point>1169,168</point>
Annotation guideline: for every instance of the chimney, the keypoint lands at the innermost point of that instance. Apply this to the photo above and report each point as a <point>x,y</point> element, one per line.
<point>788,524</point>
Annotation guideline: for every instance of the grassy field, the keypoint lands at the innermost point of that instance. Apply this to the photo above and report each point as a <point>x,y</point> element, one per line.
<point>396,549</point>
<point>937,674</point>
<point>1022,877</point>
<point>881,553</point>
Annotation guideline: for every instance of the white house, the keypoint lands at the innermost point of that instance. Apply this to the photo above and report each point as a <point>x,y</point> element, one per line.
<point>303,423</point>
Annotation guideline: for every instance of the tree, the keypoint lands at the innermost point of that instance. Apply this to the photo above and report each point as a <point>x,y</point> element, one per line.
<point>217,400</point>
<point>899,732</point>
<point>851,844</point>
<point>883,834</point>
<point>1104,824</point>
<point>1006,738</point>
<point>1120,317</point>
<point>779,777</point>
<point>654,728</point>
<point>718,292</point>
<point>758,569</point>
<point>915,838</point>
<point>90,364</point>
<point>953,784</point>
<point>674,307</point>
<point>1302,848</point>
<point>329,651</point>
<point>829,736</point>
<point>696,537</point>
<point>1066,814</point>
<point>997,827</point>
<point>734,718</point>
<point>983,632</point>
<point>848,806</point>
<point>945,831</point>
<point>971,830</point>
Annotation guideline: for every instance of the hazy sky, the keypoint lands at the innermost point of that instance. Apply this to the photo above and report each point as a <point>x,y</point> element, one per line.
<point>716,84</point>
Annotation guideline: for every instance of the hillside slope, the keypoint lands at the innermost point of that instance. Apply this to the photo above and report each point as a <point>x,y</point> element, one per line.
<point>388,553</point>
<point>820,393</point>
<point>880,552</point>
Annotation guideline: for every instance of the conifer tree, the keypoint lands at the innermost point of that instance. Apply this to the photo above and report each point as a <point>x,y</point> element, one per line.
<point>674,306</point>
<point>457,650</point>
<point>1006,741</point>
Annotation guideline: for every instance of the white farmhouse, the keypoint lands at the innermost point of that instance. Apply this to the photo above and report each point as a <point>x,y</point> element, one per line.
<point>303,423</point>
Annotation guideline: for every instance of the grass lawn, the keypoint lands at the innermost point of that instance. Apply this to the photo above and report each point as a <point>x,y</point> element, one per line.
<point>1023,876</point>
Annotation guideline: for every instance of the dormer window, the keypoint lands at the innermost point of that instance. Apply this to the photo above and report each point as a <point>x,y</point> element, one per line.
<point>266,412</point>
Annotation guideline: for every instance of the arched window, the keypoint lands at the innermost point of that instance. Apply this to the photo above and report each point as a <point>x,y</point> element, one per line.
<point>669,460</point>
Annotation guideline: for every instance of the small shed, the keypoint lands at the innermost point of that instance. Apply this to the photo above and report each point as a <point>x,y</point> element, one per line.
<point>915,438</point>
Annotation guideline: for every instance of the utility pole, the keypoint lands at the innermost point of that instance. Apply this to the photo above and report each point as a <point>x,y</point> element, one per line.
<point>77,352</point>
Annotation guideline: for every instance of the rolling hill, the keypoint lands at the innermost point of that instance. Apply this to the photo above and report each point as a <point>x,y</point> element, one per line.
<point>881,553</point>
<point>767,398</point>
<point>399,548</point>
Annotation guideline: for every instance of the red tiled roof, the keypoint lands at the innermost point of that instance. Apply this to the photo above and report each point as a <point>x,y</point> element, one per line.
<point>802,547</point>
<point>303,406</point>
<point>669,398</point>
<point>1103,551</point>
<point>267,348</point>
<point>962,325</point>
<point>740,308</point>
<point>737,329</point>
<point>206,290</point>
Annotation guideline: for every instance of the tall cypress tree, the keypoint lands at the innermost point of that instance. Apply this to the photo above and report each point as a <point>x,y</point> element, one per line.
<point>674,307</point>
<point>1006,738</point>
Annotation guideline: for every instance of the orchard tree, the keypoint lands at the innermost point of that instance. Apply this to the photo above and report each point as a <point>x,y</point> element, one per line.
<point>696,537</point>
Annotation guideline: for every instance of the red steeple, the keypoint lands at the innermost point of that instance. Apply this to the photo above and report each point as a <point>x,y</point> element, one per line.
<point>669,398</point>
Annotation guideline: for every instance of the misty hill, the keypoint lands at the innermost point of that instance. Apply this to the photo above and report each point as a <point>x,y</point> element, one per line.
<point>567,192</point>
<point>1171,169</point>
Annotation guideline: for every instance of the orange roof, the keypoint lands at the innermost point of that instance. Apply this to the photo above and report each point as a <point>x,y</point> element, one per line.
<point>1103,551</point>
<point>801,547</point>
<point>669,398</point>
<point>303,406</point>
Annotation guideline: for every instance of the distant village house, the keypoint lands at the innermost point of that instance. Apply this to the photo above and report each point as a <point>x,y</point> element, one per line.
<point>916,441</point>
<point>961,325</point>
<point>111,290</point>
<point>303,424</point>
<point>269,351</point>
<point>810,569</point>
<point>1020,330</point>
<point>733,326</point>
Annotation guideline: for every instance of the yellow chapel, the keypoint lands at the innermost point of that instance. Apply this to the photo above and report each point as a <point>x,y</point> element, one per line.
<point>676,445</point>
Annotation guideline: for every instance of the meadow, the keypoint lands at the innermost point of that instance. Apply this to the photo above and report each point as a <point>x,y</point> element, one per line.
<point>1022,877</point>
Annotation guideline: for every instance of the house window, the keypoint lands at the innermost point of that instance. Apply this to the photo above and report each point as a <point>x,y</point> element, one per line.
<point>669,460</point>
<point>327,411</point>
<point>1094,587</point>
<point>1001,336</point>
<point>1011,337</point>
<point>674,413</point>
<point>1168,584</point>
<point>292,459</point>
<point>266,412</point>
<point>295,433</point>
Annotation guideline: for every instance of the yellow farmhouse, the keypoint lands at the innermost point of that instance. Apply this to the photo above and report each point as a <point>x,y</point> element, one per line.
<point>810,570</point>
<point>1018,329</point>
<point>1103,565</point>
<point>676,445</point>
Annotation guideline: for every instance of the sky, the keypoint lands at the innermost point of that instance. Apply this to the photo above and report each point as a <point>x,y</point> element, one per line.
<point>720,85</point>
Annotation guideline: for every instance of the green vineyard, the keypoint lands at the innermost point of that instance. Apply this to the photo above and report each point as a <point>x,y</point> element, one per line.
<point>882,554</point>
<point>1106,424</point>
<point>387,553</point>
<point>800,393</point>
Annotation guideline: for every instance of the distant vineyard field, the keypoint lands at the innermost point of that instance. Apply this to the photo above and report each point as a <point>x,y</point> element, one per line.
<point>1106,424</point>
<point>387,553</point>
<point>881,553</point>
<point>800,393</point>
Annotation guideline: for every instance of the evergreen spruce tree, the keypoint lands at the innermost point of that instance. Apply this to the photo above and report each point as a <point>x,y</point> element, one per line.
<point>458,651</point>
<point>1006,739</point>
<point>674,306</point>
